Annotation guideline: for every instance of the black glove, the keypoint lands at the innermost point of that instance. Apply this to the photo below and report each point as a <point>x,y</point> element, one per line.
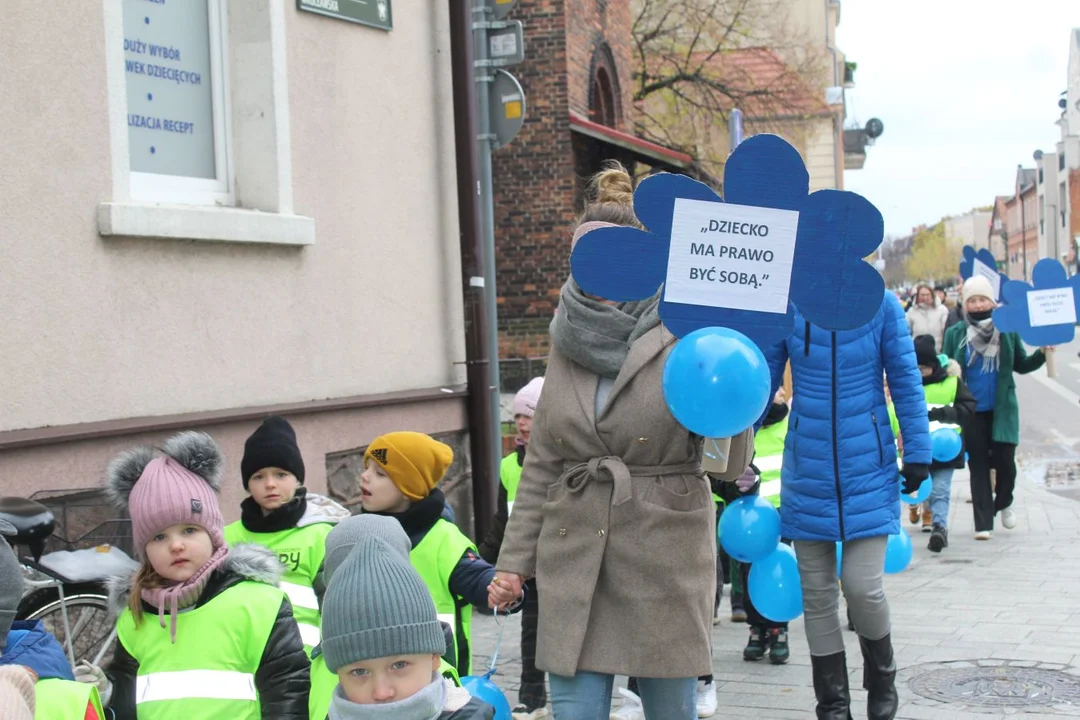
<point>937,413</point>
<point>913,475</point>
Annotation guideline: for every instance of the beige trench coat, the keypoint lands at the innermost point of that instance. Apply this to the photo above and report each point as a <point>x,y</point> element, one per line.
<point>615,519</point>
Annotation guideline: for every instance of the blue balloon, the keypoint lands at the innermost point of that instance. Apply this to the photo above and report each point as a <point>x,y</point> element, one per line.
<point>483,689</point>
<point>921,495</point>
<point>945,444</point>
<point>775,587</point>
<point>898,553</point>
<point>716,382</point>
<point>749,528</point>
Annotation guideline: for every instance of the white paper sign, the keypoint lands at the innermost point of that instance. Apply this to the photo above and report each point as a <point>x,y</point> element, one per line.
<point>731,256</point>
<point>1055,306</point>
<point>981,269</point>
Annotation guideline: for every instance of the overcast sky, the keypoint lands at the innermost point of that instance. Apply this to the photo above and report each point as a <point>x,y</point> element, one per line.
<point>966,88</point>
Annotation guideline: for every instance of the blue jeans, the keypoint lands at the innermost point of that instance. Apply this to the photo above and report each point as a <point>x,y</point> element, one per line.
<point>587,696</point>
<point>939,496</point>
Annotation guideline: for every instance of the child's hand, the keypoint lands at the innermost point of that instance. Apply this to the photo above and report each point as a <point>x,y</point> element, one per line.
<point>504,590</point>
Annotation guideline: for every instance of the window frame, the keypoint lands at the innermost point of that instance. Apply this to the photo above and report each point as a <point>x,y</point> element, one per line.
<point>178,189</point>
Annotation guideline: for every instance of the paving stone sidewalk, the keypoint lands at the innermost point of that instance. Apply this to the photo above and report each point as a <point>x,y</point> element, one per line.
<point>984,630</point>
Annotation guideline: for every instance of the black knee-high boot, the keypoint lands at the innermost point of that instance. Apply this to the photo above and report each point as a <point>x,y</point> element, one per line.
<point>831,686</point>
<point>879,678</point>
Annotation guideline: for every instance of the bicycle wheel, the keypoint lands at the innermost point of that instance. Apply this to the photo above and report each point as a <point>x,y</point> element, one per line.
<point>87,606</point>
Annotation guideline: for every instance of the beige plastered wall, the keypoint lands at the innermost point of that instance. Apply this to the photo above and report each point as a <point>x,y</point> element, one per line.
<point>99,329</point>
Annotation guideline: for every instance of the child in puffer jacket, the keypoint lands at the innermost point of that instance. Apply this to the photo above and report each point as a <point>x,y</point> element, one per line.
<point>382,637</point>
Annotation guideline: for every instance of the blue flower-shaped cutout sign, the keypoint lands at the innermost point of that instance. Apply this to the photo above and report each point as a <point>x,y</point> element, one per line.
<point>1045,314</point>
<point>746,261</point>
<point>985,262</point>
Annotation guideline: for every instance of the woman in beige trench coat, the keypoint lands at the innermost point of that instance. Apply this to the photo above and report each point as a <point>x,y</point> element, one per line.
<point>614,515</point>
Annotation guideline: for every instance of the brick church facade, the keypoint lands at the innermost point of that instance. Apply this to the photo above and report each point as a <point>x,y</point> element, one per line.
<point>577,78</point>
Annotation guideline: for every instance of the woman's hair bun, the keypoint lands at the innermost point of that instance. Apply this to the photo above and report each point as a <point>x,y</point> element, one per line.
<point>614,185</point>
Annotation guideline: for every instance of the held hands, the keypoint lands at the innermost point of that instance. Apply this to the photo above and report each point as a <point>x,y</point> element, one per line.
<point>504,590</point>
<point>913,475</point>
<point>93,675</point>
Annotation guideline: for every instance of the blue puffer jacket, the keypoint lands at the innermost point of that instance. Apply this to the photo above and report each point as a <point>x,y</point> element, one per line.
<point>29,644</point>
<point>839,479</point>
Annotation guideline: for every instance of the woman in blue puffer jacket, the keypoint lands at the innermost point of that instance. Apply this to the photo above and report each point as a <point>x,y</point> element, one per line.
<point>839,483</point>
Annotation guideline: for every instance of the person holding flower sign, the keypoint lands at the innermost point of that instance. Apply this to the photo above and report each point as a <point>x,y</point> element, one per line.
<point>614,515</point>
<point>989,358</point>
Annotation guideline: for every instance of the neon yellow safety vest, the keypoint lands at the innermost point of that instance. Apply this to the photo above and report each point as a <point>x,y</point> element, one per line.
<point>938,394</point>
<point>510,475</point>
<point>209,673</point>
<point>769,459</point>
<point>57,699</point>
<point>301,551</point>
<point>435,559</point>
<point>323,683</point>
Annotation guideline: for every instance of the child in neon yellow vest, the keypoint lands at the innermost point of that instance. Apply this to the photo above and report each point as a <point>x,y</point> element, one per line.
<point>203,630</point>
<point>33,659</point>
<point>532,692</point>
<point>950,404</point>
<point>383,640</point>
<point>339,543</point>
<point>281,515</point>
<point>401,471</point>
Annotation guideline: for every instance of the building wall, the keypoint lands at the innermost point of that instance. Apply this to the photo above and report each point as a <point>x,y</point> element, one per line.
<point>534,187</point>
<point>969,229</point>
<point>99,329</point>
<point>591,25</point>
<point>821,155</point>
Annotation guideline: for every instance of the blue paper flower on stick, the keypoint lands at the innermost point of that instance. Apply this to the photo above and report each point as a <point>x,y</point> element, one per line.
<point>1054,297</point>
<point>830,283</point>
<point>967,265</point>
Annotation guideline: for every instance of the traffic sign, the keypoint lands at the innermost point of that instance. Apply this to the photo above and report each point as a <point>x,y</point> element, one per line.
<point>506,43</point>
<point>502,8</point>
<point>507,108</point>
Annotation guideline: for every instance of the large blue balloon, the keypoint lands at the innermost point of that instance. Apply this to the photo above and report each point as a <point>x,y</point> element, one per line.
<point>749,528</point>
<point>716,382</point>
<point>898,553</point>
<point>774,585</point>
<point>921,495</point>
<point>483,689</point>
<point>945,444</point>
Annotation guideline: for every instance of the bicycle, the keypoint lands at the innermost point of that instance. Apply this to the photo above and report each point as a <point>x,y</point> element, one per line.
<point>75,611</point>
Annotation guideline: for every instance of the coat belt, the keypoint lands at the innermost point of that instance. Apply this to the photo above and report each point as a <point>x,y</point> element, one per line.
<point>612,469</point>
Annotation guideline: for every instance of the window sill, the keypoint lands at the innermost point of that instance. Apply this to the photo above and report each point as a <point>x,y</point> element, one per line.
<point>211,224</point>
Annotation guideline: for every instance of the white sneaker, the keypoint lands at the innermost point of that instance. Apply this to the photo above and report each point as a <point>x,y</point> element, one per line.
<point>521,712</point>
<point>706,699</point>
<point>631,708</point>
<point>984,535</point>
<point>1008,518</point>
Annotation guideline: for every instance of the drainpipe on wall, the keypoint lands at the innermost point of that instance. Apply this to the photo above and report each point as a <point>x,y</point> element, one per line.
<point>482,423</point>
<point>838,122</point>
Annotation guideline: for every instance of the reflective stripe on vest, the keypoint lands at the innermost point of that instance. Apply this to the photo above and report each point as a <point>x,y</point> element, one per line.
<point>209,672</point>
<point>769,459</point>
<point>184,684</point>
<point>301,551</point>
<point>771,463</point>
<point>56,699</point>
<point>435,558</point>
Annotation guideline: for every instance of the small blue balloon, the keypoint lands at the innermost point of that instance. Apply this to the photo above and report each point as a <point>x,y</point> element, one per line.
<point>898,553</point>
<point>716,382</point>
<point>921,495</point>
<point>945,444</point>
<point>775,587</point>
<point>749,528</point>
<point>484,689</point>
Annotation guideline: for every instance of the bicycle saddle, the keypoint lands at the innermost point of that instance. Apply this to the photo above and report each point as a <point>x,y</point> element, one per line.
<point>33,523</point>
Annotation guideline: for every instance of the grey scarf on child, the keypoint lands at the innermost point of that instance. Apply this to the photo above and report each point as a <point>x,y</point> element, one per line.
<point>984,340</point>
<point>596,335</point>
<point>424,705</point>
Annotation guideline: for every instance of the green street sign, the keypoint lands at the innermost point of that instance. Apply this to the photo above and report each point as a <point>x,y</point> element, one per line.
<point>373,13</point>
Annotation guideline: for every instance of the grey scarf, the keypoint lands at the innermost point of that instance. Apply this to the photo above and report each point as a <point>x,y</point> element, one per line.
<point>424,705</point>
<point>596,335</point>
<point>984,340</point>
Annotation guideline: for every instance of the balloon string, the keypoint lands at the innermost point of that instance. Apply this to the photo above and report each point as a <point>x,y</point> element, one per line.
<point>498,643</point>
<point>719,455</point>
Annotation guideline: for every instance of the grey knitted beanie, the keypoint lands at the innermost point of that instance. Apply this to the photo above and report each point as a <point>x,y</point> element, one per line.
<point>340,540</point>
<point>378,606</point>
<point>11,583</point>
